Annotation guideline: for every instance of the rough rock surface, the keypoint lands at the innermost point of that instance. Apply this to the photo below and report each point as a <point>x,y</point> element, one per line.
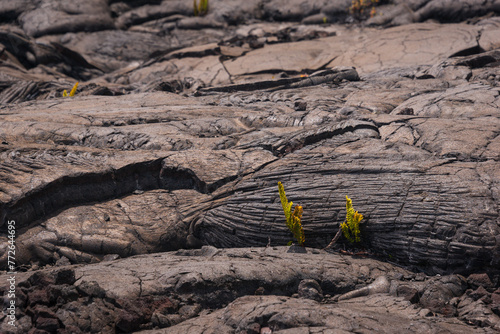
<point>181,128</point>
<point>212,290</point>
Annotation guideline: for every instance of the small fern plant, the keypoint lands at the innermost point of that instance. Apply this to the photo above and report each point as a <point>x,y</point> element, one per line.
<point>72,92</point>
<point>292,218</point>
<point>362,9</point>
<point>200,9</point>
<point>350,227</point>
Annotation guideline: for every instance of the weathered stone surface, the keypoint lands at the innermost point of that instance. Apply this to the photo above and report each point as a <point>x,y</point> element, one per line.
<point>55,17</point>
<point>380,285</point>
<point>182,126</point>
<point>401,12</point>
<point>11,9</point>
<point>310,289</point>
<point>455,10</point>
<point>439,293</point>
<point>480,280</point>
<point>286,315</point>
<point>402,46</point>
<point>175,290</point>
<point>128,153</point>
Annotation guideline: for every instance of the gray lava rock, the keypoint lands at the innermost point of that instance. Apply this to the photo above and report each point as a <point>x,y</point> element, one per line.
<point>438,294</point>
<point>421,155</point>
<point>310,289</point>
<point>55,17</point>
<point>479,280</point>
<point>282,314</point>
<point>380,285</point>
<point>175,292</point>
<point>91,289</point>
<point>182,126</point>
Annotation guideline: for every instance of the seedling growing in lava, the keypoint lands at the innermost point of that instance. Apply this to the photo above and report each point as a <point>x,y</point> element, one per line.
<point>292,218</point>
<point>360,9</point>
<point>350,227</point>
<point>72,92</point>
<point>200,9</point>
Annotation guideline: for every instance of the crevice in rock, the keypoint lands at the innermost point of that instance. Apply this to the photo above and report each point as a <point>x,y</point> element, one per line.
<point>329,134</point>
<point>280,147</point>
<point>323,134</point>
<point>334,75</point>
<point>478,62</point>
<point>79,189</point>
<point>252,86</point>
<point>468,52</point>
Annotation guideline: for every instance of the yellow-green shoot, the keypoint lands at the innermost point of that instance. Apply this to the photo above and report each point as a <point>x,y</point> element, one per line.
<point>72,92</point>
<point>200,9</point>
<point>292,218</point>
<point>350,227</point>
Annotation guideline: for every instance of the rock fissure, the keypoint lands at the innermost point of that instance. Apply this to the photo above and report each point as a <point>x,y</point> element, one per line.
<point>60,193</point>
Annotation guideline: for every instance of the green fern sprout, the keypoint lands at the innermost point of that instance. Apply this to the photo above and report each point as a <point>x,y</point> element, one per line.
<point>200,9</point>
<point>72,92</point>
<point>361,9</point>
<point>292,218</point>
<point>350,227</point>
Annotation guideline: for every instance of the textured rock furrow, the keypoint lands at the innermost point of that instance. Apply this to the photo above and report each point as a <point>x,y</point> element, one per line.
<point>70,190</point>
<point>281,145</point>
<point>335,75</point>
<point>434,215</point>
<point>50,201</point>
